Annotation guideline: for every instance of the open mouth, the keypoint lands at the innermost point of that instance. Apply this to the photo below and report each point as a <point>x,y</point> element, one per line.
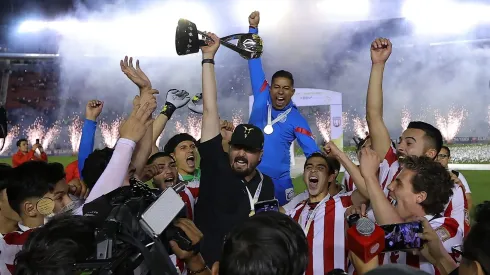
<point>169,181</point>
<point>313,182</point>
<point>392,200</point>
<point>280,100</point>
<point>241,163</point>
<point>191,161</point>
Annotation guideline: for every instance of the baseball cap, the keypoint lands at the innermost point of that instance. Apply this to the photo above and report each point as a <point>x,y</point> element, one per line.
<point>249,136</point>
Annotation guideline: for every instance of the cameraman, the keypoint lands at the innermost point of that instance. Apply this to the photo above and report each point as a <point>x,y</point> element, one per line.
<point>66,239</point>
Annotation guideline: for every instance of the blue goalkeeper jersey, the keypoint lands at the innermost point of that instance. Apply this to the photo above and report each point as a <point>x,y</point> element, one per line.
<point>276,161</point>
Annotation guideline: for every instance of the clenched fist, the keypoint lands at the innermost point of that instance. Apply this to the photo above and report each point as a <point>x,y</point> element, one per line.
<point>380,50</point>
<point>254,19</point>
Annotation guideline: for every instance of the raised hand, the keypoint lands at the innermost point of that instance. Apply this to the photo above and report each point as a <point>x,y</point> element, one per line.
<point>196,104</point>
<point>93,109</point>
<point>150,171</point>
<point>135,74</point>
<point>212,46</point>
<point>254,19</point>
<point>380,50</point>
<point>226,129</point>
<point>331,149</point>
<point>369,162</point>
<point>148,96</point>
<point>135,126</point>
<point>179,98</point>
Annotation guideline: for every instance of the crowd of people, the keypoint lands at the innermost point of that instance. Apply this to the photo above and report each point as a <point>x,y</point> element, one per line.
<point>234,176</point>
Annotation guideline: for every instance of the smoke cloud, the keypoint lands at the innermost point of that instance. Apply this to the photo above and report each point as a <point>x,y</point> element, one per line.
<point>320,54</point>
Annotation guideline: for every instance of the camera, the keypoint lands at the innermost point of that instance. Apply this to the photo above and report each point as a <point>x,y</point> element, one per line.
<point>134,228</point>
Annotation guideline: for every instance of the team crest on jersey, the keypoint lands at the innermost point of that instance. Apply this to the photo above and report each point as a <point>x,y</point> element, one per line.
<point>443,234</point>
<point>337,121</point>
<point>283,119</point>
<point>289,193</point>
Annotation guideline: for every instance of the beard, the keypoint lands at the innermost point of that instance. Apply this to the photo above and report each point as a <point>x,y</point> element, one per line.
<point>242,170</point>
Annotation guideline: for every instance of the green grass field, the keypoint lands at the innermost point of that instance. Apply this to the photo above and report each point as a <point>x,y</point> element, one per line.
<point>478,180</point>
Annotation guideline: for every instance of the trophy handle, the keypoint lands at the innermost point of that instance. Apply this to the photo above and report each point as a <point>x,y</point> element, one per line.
<point>224,42</point>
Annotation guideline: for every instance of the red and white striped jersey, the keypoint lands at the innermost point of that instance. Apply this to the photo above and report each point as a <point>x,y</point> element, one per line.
<point>189,195</point>
<point>457,208</point>
<point>449,233</point>
<point>388,169</point>
<point>326,235</point>
<point>348,183</point>
<point>10,245</point>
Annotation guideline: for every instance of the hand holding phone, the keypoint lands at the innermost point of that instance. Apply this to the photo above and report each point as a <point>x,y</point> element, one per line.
<point>403,236</point>
<point>264,206</point>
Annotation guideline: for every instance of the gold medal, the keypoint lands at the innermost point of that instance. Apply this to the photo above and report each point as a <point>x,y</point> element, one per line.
<point>251,213</point>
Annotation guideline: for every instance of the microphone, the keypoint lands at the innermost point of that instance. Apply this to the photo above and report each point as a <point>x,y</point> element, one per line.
<point>365,239</point>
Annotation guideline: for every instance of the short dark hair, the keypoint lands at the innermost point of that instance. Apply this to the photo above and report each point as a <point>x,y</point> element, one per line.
<point>476,246</point>
<point>174,141</point>
<point>32,179</point>
<point>330,164</point>
<point>269,243</point>
<point>432,178</point>
<point>157,156</point>
<point>447,149</point>
<point>21,140</point>
<point>285,74</point>
<point>95,165</point>
<point>432,134</point>
<point>52,249</point>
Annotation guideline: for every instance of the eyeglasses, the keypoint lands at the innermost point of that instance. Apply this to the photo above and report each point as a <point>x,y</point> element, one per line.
<point>442,156</point>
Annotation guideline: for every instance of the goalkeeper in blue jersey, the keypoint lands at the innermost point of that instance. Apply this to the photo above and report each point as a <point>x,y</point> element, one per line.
<point>275,113</point>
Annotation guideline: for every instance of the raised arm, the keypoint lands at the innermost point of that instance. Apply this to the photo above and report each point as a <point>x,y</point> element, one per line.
<point>303,134</point>
<point>380,52</point>
<point>210,117</point>
<point>384,212</point>
<point>147,95</point>
<point>87,140</point>
<point>131,131</point>
<point>175,99</point>
<point>257,75</point>
<point>332,150</point>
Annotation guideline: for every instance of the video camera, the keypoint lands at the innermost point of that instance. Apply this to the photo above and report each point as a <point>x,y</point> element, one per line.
<point>134,228</point>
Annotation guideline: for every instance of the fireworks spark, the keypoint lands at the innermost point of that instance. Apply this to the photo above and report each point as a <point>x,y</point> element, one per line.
<point>345,120</point>
<point>75,133</point>
<point>237,118</point>
<point>35,131</point>
<point>451,124</point>
<point>11,136</point>
<point>110,132</point>
<point>488,117</point>
<point>406,118</point>
<point>360,127</point>
<point>51,135</point>
<point>323,125</point>
<point>193,126</point>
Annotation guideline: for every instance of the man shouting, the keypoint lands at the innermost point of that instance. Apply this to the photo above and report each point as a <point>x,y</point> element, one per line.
<point>275,113</point>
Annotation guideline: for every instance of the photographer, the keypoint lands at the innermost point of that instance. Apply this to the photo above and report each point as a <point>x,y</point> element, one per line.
<point>65,240</point>
<point>25,155</point>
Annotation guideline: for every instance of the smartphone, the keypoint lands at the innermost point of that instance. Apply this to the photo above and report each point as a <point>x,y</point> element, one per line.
<point>37,141</point>
<point>402,236</point>
<point>264,206</point>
